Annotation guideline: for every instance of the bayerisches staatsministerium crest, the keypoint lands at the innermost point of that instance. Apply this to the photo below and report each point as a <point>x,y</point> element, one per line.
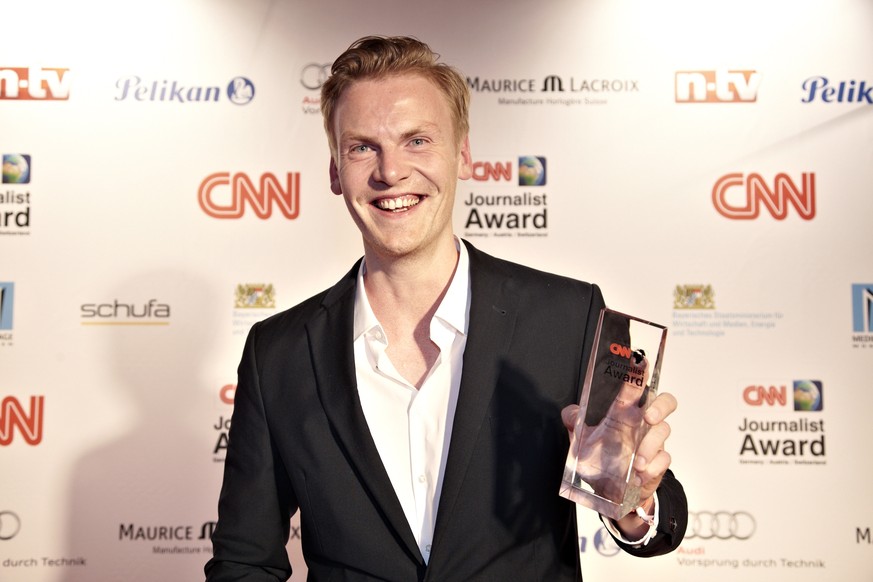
<point>693,297</point>
<point>255,296</point>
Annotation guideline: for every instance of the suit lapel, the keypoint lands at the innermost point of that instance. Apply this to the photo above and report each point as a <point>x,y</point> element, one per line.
<point>330,339</point>
<point>493,312</point>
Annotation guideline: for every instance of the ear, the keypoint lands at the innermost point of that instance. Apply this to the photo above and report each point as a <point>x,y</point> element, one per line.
<point>465,161</point>
<point>334,178</point>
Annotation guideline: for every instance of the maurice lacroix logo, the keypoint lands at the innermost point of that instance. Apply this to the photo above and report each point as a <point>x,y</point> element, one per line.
<point>505,206</point>
<point>239,91</point>
<point>169,539</point>
<point>554,89</point>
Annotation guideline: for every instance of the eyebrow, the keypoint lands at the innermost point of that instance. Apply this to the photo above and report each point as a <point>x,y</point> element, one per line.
<point>417,130</point>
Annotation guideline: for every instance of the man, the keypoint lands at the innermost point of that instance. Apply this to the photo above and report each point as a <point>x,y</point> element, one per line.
<point>413,411</point>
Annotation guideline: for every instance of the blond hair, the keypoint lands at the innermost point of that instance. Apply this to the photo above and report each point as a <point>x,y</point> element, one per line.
<point>375,57</point>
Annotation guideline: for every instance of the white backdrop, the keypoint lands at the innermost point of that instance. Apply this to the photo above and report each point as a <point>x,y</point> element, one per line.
<point>125,303</point>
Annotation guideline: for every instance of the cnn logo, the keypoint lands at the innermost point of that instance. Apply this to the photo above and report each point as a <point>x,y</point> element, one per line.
<point>222,195</point>
<point>774,396</point>
<point>740,197</point>
<point>29,423</point>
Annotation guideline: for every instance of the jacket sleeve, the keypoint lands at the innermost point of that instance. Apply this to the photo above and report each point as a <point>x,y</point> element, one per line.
<point>672,520</point>
<point>256,501</point>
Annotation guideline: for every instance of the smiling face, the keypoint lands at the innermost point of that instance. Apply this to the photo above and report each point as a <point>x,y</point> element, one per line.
<point>397,163</point>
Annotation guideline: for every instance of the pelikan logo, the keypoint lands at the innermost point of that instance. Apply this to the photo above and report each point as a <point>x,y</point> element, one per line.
<point>239,91</point>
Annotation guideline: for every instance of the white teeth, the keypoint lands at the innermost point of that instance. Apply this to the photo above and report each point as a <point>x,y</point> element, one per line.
<point>397,203</point>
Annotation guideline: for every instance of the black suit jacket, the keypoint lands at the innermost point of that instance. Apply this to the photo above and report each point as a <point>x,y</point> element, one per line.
<point>299,440</point>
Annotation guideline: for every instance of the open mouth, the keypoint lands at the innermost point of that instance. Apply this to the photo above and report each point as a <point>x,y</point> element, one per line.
<point>398,204</point>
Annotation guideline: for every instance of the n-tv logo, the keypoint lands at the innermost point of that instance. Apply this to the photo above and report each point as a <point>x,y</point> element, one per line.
<point>740,197</point>
<point>721,86</point>
<point>29,423</point>
<point>34,83</point>
<point>222,195</point>
<point>862,307</point>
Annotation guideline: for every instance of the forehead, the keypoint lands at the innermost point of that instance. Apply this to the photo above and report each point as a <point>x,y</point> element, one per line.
<point>392,101</point>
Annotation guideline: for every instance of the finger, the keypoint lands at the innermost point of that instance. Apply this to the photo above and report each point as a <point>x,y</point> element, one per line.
<point>651,445</point>
<point>568,416</point>
<point>651,477</point>
<point>662,407</point>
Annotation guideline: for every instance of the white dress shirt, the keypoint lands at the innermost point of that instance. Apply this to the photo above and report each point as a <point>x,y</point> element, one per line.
<point>412,428</point>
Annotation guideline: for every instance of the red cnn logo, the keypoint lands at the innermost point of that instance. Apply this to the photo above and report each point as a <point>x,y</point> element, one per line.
<point>771,395</point>
<point>484,171</point>
<point>747,205</point>
<point>227,393</point>
<point>12,414</point>
<point>620,350</point>
<point>243,191</point>
<point>34,83</point>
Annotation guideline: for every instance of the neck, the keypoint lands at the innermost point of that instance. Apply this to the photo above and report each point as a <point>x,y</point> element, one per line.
<point>410,283</point>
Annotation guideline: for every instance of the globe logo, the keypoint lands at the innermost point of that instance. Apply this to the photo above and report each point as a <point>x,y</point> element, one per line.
<point>807,395</point>
<point>16,169</point>
<point>240,90</point>
<point>531,171</point>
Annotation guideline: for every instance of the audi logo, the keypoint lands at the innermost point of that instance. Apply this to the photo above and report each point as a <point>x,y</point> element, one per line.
<point>720,525</point>
<point>9,525</point>
<point>314,75</point>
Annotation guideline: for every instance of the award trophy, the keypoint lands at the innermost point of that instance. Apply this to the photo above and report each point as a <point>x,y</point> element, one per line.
<point>621,380</point>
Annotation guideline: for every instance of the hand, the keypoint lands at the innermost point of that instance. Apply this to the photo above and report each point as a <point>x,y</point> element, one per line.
<point>651,462</point>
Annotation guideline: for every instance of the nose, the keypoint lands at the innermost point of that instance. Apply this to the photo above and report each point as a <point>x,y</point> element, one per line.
<point>391,167</point>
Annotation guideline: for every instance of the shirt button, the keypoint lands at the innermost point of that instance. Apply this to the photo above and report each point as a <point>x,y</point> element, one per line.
<point>422,478</point>
<point>377,334</point>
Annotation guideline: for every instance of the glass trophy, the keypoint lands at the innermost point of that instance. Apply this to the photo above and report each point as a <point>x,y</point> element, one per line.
<point>620,382</point>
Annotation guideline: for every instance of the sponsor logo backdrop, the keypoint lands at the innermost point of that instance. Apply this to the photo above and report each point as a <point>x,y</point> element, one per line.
<point>165,185</point>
